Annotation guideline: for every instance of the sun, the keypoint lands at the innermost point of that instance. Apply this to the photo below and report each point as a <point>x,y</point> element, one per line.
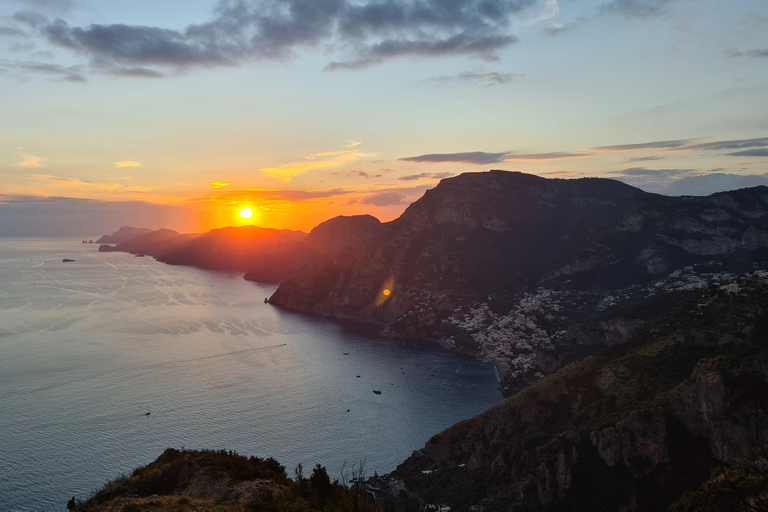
<point>246,213</point>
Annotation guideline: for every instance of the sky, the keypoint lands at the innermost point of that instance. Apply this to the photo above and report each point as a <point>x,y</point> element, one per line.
<point>180,113</point>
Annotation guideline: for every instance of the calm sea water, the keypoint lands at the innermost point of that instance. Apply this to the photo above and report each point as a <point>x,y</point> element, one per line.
<point>88,348</point>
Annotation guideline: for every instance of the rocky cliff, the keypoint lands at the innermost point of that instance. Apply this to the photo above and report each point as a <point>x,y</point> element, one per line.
<point>507,265</point>
<point>633,428</point>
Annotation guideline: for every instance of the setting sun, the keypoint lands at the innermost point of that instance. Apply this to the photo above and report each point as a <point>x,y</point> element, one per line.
<point>246,213</point>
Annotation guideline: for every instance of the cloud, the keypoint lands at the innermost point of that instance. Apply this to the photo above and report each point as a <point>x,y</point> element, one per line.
<point>662,144</point>
<point>218,184</point>
<point>755,53</point>
<point>551,9</point>
<point>479,79</point>
<point>556,29</point>
<point>363,32</point>
<point>646,158</point>
<point>80,185</point>
<point>636,8</point>
<point>352,143</point>
<point>324,160</point>
<point>558,155</point>
<point>423,175</point>
<point>472,157</point>
<point>67,73</point>
<point>656,173</point>
<point>387,198</point>
<point>731,144</point>
<point>11,32</point>
<point>31,161</point>
<point>127,163</point>
<point>750,152</point>
<point>255,195</point>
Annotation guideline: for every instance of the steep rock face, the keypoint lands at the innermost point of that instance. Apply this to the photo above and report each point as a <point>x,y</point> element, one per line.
<point>334,242</point>
<point>501,232</point>
<point>630,429</point>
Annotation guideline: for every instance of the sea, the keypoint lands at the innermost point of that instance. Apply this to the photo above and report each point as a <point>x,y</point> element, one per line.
<point>108,360</point>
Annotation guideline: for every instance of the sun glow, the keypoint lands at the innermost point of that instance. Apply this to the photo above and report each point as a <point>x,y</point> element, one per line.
<point>246,213</point>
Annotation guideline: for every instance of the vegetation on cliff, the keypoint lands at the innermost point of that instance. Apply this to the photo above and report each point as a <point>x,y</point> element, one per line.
<point>633,428</point>
<point>181,480</point>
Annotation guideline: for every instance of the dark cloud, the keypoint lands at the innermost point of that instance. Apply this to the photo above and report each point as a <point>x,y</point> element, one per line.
<point>366,32</point>
<point>557,155</point>
<point>750,152</point>
<point>423,175</point>
<point>655,173</point>
<point>662,144</point>
<point>473,157</point>
<point>480,79</point>
<point>731,144</point>
<point>755,53</point>
<point>646,158</point>
<point>387,198</point>
<point>636,8</point>
<point>362,174</point>
<point>135,72</point>
<point>67,73</point>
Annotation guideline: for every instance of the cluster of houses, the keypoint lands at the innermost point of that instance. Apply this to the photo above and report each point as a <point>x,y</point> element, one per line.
<point>513,338</point>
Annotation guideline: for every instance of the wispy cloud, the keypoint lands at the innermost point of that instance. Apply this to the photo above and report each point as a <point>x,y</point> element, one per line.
<point>80,185</point>
<point>557,155</point>
<point>551,9</point>
<point>387,198</point>
<point>556,29</point>
<point>646,158</point>
<point>352,143</point>
<point>750,152</point>
<point>488,79</point>
<point>324,160</point>
<point>127,163</point>
<point>756,53</point>
<point>661,144</point>
<point>31,161</point>
<point>426,175</point>
<point>472,157</point>
<point>636,8</point>
<point>218,184</point>
<point>54,71</point>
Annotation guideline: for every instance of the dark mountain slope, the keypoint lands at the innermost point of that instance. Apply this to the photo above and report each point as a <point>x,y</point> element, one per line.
<point>335,241</point>
<point>631,429</point>
<point>504,232</point>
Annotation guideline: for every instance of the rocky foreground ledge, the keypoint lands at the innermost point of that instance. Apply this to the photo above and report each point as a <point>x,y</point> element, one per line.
<point>222,481</point>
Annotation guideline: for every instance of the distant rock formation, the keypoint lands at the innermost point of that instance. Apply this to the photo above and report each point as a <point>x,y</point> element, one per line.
<point>232,248</point>
<point>122,235</point>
